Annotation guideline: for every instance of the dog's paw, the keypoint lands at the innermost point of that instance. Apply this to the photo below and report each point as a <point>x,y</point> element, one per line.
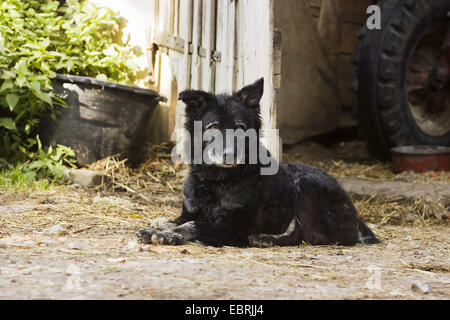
<point>167,237</point>
<point>145,235</point>
<point>260,241</point>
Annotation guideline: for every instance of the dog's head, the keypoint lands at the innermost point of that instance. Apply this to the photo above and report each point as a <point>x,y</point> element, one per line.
<point>217,116</point>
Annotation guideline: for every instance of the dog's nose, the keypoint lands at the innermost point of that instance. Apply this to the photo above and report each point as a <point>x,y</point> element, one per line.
<point>228,156</point>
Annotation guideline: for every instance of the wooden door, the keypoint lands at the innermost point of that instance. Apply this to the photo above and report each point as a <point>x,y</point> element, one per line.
<point>202,47</point>
<point>225,46</point>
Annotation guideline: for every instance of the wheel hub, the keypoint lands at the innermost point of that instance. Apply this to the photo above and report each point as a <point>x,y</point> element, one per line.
<point>428,82</point>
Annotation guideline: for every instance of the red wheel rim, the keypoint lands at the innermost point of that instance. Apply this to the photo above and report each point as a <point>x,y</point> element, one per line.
<point>428,81</point>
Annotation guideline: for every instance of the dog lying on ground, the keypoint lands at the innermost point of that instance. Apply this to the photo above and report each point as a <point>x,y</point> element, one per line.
<point>233,204</point>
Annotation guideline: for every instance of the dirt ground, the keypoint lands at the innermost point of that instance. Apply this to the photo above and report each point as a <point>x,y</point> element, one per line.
<point>74,243</point>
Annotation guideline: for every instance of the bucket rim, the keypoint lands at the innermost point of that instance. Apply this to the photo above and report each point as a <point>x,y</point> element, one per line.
<point>428,150</point>
<point>108,84</point>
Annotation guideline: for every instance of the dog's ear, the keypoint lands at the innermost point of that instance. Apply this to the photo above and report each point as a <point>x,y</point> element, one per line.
<point>194,99</point>
<point>251,94</point>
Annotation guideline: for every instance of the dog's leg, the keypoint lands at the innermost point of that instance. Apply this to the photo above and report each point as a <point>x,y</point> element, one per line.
<point>160,236</point>
<point>172,236</point>
<point>289,237</point>
<point>209,234</point>
<point>170,232</point>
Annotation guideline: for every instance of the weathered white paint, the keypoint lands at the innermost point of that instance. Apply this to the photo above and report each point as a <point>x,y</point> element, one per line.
<point>240,30</point>
<point>254,58</point>
<point>225,44</point>
<point>208,37</point>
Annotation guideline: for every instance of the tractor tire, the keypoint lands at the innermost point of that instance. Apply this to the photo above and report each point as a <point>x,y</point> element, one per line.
<point>392,76</point>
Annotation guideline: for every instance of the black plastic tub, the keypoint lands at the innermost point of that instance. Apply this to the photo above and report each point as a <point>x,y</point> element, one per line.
<point>102,119</point>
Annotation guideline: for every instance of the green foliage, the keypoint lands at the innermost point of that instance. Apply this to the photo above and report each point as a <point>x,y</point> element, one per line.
<point>16,180</point>
<point>47,162</point>
<point>50,162</point>
<point>38,39</point>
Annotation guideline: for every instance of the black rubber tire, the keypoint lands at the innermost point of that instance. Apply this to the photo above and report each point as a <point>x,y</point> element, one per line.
<point>379,78</point>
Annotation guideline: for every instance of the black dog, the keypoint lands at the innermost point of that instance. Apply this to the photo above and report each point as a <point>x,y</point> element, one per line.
<point>236,205</point>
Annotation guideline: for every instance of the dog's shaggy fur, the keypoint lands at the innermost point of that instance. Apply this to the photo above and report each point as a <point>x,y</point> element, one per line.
<point>238,206</point>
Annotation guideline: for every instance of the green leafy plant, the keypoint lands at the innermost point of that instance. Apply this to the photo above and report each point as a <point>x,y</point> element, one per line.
<point>16,180</point>
<point>50,162</point>
<point>38,39</point>
<point>46,163</point>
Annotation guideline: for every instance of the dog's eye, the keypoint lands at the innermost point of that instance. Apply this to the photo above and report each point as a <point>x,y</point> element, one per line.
<point>213,126</point>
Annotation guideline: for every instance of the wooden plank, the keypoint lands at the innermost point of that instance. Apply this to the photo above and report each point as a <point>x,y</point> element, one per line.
<point>171,20</point>
<point>314,7</point>
<point>176,16</point>
<point>315,2</point>
<point>347,98</point>
<point>239,46</point>
<point>225,42</point>
<point>185,32</point>
<point>208,45</point>
<point>345,68</point>
<point>155,26</point>
<point>349,38</point>
<point>169,41</point>
<point>346,120</point>
<point>316,22</point>
<point>231,45</point>
<point>256,35</point>
<point>181,65</point>
<point>165,21</point>
<point>345,78</point>
<point>196,41</point>
<point>277,54</point>
<point>330,29</point>
<point>355,11</point>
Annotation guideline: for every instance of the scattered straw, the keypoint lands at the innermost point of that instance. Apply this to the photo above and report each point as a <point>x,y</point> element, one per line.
<point>400,211</point>
<point>156,176</point>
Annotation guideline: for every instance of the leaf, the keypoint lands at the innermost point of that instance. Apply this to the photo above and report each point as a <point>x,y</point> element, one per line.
<point>69,65</point>
<point>20,81</point>
<point>13,13</point>
<point>110,51</point>
<point>44,97</point>
<point>11,100</point>
<point>45,67</point>
<point>2,44</point>
<point>6,85</point>
<point>131,65</point>
<point>102,77</point>
<point>8,74</point>
<point>8,123</point>
<point>45,43</point>
<point>21,67</point>
<point>39,142</point>
<point>36,86</point>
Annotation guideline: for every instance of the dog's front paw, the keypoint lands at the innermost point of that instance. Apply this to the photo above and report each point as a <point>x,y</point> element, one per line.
<point>260,241</point>
<point>145,235</point>
<point>160,237</point>
<point>167,237</point>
